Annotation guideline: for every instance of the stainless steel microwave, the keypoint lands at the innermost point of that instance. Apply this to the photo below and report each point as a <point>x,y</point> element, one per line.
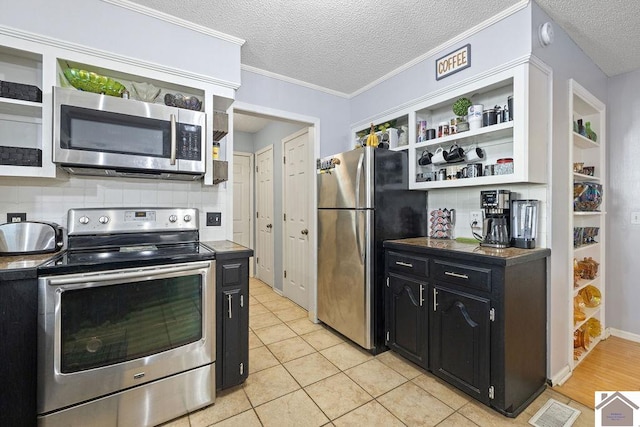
<point>107,136</point>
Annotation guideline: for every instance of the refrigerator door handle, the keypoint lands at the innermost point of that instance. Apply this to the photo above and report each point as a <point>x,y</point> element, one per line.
<point>359,179</point>
<point>358,239</point>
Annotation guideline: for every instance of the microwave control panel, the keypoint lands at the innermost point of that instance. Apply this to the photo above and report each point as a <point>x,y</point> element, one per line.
<point>189,142</point>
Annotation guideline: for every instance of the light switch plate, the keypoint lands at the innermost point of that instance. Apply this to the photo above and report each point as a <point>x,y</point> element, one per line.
<point>635,217</point>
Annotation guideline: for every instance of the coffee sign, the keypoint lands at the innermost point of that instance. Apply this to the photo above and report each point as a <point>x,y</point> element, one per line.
<point>453,62</point>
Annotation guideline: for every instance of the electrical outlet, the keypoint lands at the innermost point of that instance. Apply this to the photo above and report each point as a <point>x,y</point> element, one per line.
<point>214,219</point>
<point>475,216</point>
<point>17,217</point>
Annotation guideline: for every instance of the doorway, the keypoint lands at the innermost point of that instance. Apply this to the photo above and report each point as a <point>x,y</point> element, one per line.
<point>255,128</point>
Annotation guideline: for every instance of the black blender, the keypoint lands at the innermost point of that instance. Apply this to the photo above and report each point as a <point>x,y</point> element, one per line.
<point>495,225</point>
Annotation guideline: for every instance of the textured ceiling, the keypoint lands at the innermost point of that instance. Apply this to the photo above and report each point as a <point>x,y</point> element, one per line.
<point>346,45</point>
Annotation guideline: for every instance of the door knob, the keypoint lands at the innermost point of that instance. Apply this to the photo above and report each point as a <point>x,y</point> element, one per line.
<point>305,232</point>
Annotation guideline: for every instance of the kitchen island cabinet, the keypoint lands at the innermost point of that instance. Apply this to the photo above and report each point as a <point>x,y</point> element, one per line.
<point>486,320</point>
<point>232,313</point>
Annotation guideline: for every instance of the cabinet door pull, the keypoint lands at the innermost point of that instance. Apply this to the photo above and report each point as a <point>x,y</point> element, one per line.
<point>229,302</point>
<point>241,300</point>
<point>404,264</point>
<point>461,276</point>
<point>421,295</point>
<point>435,299</point>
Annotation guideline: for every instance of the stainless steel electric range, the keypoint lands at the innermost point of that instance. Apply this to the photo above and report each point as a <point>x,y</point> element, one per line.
<point>126,320</point>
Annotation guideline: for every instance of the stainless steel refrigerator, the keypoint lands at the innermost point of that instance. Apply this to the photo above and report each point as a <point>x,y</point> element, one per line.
<point>363,199</point>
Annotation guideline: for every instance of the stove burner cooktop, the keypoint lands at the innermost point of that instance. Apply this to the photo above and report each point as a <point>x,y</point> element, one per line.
<point>109,239</point>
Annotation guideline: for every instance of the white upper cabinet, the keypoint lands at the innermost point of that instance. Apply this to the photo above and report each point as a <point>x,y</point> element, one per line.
<point>511,147</point>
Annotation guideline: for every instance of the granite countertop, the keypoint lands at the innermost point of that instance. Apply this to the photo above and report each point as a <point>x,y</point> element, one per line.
<point>506,256</point>
<point>228,249</point>
<point>22,266</point>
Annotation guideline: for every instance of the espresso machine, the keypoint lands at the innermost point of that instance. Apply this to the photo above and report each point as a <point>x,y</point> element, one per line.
<point>495,206</point>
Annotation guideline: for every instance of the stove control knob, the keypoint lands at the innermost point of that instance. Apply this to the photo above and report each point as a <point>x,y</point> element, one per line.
<point>187,218</point>
<point>84,220</point>
<point>173,218</point>
<point>103,219</point>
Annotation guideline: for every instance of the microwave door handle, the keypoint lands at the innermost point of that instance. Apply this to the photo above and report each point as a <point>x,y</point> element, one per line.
<point>173,139</point>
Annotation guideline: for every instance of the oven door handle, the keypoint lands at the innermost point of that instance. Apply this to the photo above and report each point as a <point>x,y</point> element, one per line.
<point>119,275</point>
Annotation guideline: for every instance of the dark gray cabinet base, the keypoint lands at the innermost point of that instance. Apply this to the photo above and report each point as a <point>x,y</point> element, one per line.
<point>18,366</point>
<point>232,321</point>
<point>475,320</point>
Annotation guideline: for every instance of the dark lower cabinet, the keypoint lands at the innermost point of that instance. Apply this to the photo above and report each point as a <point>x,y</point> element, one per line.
<point>18,366</point>
<point>475,318</point>
<point>406,316</point>
<point>232,322</point>
<point>459,341</point>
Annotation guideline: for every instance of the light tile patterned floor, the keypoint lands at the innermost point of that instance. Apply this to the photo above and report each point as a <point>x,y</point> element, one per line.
<point>303,374</point>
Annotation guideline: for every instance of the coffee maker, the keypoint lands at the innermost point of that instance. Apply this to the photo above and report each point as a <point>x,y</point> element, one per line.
<point>495,206</point>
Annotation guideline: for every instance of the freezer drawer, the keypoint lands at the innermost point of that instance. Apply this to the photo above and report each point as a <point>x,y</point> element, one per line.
<point>345,272</point>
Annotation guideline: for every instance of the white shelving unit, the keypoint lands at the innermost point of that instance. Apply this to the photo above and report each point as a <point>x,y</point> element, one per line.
<point>524,139</point>
<point>23,124</point>
<point>585,107</point>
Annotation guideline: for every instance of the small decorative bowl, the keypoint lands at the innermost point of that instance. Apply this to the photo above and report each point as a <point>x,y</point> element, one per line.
<point>587,196</point>
<point>145,92</point>
<point>181,101</point>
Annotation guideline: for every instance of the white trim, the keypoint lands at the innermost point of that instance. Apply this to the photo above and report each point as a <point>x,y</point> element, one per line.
<point>175,20</point>
<point>561,377</point>
<point>624,334</point>
<point>129,61</point>
<point>291,80</point>
<point>446,45</point>
<point>445,90</point>
<point>252,211</point>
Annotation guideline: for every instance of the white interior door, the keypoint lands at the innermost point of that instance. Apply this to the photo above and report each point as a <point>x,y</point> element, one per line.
<point>264,226</point>
<point>243,201</point>
<point>296,209</point>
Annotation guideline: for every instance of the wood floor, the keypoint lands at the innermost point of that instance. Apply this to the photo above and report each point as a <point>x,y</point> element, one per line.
<point>612,365</point>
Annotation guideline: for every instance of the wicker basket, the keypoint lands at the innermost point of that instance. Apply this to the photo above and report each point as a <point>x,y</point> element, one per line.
<point>20,91</point>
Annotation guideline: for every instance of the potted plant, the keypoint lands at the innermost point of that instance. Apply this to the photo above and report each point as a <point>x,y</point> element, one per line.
<point>460,108</point>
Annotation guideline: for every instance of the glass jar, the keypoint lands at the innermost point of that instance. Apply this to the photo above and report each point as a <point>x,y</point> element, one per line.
<point>504,166</point>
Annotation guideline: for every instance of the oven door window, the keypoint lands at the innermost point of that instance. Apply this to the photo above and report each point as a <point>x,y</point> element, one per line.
<point>106,325</point>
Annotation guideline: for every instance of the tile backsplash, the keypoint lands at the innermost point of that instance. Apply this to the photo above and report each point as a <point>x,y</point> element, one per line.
<point>50,199</point>
<point>465,200</point>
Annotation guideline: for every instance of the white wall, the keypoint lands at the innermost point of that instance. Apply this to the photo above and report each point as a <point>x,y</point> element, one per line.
<point>243,141</point>
<point>502,42</point>
<point>332,111</point>
<point>568,61</point>
<point>623,238</point>
<point>111,28</point>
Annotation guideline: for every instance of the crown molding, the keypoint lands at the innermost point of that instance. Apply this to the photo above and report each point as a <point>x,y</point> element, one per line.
<point>126,4</point>
<point>277,76</point>
<point>453,87</point>
<point>78,48</point>
<point>448,44</point>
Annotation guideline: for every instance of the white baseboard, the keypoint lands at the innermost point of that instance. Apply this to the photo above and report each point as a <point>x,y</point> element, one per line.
<point>561,377</point>
<point>624,335</point>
